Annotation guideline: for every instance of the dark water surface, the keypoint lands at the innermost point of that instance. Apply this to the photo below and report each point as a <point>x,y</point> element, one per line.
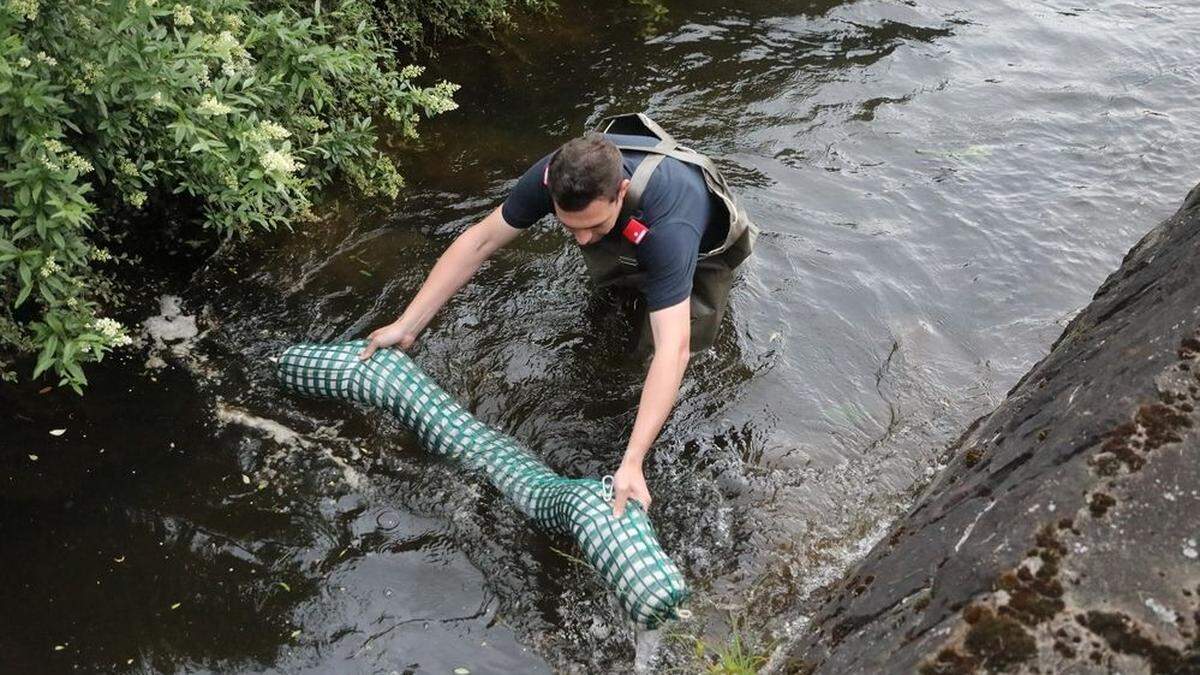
<point>940,186</point>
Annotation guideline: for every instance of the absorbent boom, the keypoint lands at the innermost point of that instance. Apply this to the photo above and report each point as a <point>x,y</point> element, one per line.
<point>624,550</point>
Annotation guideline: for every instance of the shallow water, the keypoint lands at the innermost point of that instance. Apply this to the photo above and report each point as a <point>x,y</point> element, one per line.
<point>940,188</point>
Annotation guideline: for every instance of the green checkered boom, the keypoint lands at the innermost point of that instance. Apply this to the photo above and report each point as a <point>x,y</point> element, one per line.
<point>625,551</point>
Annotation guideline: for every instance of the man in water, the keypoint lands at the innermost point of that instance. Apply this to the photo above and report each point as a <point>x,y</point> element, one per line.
<point>648,214</point>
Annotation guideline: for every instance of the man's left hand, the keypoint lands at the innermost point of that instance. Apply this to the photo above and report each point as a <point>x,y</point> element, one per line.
<point>628,483</point>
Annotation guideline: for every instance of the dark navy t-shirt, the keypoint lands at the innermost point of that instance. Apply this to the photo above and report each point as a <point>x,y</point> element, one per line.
<point>683,218</point>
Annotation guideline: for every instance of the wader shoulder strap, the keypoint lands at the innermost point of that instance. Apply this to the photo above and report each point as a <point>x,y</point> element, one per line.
<point>641,175</point>
<point>637,185</point>
<point>676,151</point>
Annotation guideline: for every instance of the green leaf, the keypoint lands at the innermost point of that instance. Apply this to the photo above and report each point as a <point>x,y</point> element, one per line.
<point>22,296</point>
<point>76,373</point>
<point>45,359</point>
<point>70,349</point>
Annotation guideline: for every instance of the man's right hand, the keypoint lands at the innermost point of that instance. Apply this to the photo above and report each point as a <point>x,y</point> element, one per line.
<point>452,270</point>
<point>394,333</point>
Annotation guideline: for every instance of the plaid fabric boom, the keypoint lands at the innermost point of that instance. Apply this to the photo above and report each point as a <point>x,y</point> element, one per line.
<point>625,551</point>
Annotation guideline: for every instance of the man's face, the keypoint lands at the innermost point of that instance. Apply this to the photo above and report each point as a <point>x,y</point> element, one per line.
<point>589,224</point>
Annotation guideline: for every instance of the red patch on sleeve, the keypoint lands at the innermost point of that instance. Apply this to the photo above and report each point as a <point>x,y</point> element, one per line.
<point>635,231</point>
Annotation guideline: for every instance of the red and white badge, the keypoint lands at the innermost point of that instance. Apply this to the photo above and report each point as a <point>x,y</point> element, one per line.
<point>635,231</point>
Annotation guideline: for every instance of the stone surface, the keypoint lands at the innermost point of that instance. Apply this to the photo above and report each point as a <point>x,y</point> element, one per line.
<point>1063,534</point>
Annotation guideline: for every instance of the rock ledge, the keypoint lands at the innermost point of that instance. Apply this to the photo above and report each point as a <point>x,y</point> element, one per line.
<point>1063,535</point>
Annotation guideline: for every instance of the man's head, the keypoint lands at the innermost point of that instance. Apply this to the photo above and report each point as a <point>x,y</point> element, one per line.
<point>588,186</point>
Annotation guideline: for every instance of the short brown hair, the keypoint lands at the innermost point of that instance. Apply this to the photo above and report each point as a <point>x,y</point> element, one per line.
<point>584,169</point>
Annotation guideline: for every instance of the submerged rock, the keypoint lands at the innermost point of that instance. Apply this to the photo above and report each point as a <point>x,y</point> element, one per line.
<point>1058,537</point>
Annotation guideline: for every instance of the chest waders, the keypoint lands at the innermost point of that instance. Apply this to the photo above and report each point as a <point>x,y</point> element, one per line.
<point>625,551</point>
<point>612,261</point>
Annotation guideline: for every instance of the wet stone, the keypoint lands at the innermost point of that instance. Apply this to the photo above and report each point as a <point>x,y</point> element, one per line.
<point>1014,586</point>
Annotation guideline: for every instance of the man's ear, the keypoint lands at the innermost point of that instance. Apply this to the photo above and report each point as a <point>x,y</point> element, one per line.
<point>622,189</point>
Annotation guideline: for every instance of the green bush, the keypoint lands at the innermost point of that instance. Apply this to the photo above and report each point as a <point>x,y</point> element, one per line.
<point>415,22</point>
<point>244,108</point>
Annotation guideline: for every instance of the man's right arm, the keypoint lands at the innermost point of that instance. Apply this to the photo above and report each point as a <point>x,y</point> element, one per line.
<point>458,264</point>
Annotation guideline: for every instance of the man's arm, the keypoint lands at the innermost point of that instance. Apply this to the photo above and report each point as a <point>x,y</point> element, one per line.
<point>458,264</point>
<point>672,329</point>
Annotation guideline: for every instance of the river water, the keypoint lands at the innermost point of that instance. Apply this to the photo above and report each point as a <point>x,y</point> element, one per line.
<point>941,187</point>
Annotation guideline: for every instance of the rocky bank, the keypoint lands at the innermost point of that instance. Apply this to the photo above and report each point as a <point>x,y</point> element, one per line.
<point>1064,533</point>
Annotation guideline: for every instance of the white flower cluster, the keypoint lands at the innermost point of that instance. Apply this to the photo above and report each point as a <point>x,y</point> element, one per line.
<point>157,99</point>
<point>100,255</point>
<point>87,76</point>
<point>233,22</point>
<point>126,167</point>
<point>183,15</point>
<point>209,105</point>
<point>410,71</point>
<point>49,267</point>
<point>54,151</point>
<point>273,131</point>
<point>79,164</point>
<point>24,62</point>
<point>136,199</point>
<point>112,331</point>
<point>225,44</point>
<point>46,59</point>
<point>439,98</point>
<point>280,161</point>
<point>82,22</point>
<point>265,132</point>
<point>233,56</point>
<point>312,123</point>
<point>25,8</point>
